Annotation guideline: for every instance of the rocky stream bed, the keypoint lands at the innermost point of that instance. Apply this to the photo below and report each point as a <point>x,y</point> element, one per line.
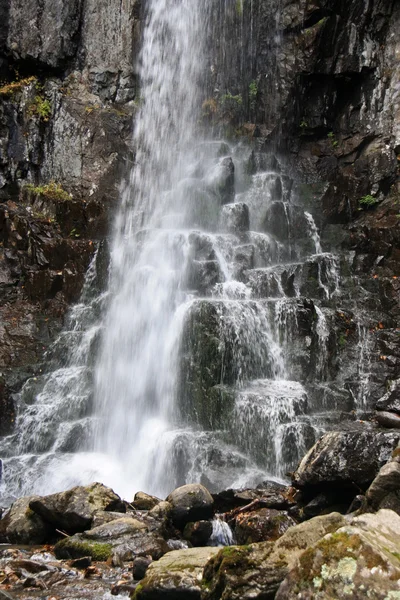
<point>335,532</point>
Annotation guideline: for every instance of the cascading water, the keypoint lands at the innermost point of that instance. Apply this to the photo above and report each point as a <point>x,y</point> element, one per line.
<point>212,345</point>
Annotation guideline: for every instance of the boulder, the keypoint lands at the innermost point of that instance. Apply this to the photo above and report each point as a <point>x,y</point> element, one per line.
<point>73,511</point>
<point>177,575</point>
<point>140,566</point>
<point>106,516</point>
<point>123,539</point>
<point>192,502</point>
<point>198,533</point>
<point>388,419</point>
<point>345,459</point>
<point>255,572</point>
<point>358,561</point>
<point>161,510</point>
<point>390,401</point>
<point>271,493</point>
<point>143,501</point>
<point>20,525</point>
<point>262,525</point>
<point>384,491</point>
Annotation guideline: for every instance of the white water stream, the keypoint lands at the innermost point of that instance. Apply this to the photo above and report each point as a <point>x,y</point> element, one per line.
<point>189,293</point>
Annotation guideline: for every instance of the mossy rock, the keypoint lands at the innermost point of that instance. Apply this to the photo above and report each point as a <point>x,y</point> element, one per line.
<point>73,547</point>
<point>355,562</point>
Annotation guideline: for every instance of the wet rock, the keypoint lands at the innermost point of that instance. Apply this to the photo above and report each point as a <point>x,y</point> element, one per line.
<point>235,217</point>
<point>198,533</point>
<point>161,510</point>
<point>140,566</point>
<point>390,401</point>
<point>388,419</point>
<point>123,539</point>
<point>176,575</point>
<point>345,459</point>
<point>356,561</point>
<point>104,516</point>
<point>190,502</point>
<point>143,501</point>
<point>76,548</point>
<point>73,511</point>
<point>81,563</point>
<point>221,180</point>
<point>262,525</point>
<point>273,495</point>
<point>384,491</point>
<point>20,525</point>
<point>256,571</point>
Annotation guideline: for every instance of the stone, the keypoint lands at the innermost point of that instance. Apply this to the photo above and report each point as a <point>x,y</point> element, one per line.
<point>255,572</point>
<point>143,501</point>
<point>190,502</point>
<point>105,516</point>
<point>177,575</point>
<point>123,539</point>
<point>273,495</point>
<point>140,566</point>
<point>262,525</point>
<point>391,400</point>
<point>221,180</point>
<point>357,561</point>
<point>386,483</point>
<point>73,511</point>
<point>81,563</point>
<point>391,420</point>
<point>76,548</point>
<point>20,525</point>
<point>161,510</point>
<point>198,533</point>
<point>346,459</point>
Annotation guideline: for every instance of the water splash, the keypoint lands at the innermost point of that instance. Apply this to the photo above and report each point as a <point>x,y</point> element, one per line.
<point>313,232</point>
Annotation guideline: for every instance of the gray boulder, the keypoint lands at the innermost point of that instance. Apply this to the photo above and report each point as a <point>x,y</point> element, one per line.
<point>73,511</point>
<point>20,525</point>
<point>356,562</point>
<point>255,572</point>
<point>122,539</point>
<point>176,576</point>
<point>345,459</point>
<point>192,502</point>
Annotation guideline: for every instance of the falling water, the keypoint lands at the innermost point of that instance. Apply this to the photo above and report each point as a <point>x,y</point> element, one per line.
<point>202,340</point>
<point>135,375</point>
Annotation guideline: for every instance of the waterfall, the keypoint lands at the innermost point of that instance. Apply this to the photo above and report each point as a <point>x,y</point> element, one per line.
<point>201,361</point>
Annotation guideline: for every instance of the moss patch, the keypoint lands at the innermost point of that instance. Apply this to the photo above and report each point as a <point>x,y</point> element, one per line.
<point>75,548</point>
<point>51,191</point>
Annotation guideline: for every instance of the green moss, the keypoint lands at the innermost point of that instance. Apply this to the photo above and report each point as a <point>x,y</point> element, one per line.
<point>253,93</point>
<point>51,191</point>
<point>74,548</point>
<point>138,592</point>
<point>40,108</point>
<point>368,201</point>
<point>239,7</point>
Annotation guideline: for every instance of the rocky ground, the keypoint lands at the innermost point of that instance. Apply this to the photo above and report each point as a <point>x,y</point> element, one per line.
<point>335,532</point>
